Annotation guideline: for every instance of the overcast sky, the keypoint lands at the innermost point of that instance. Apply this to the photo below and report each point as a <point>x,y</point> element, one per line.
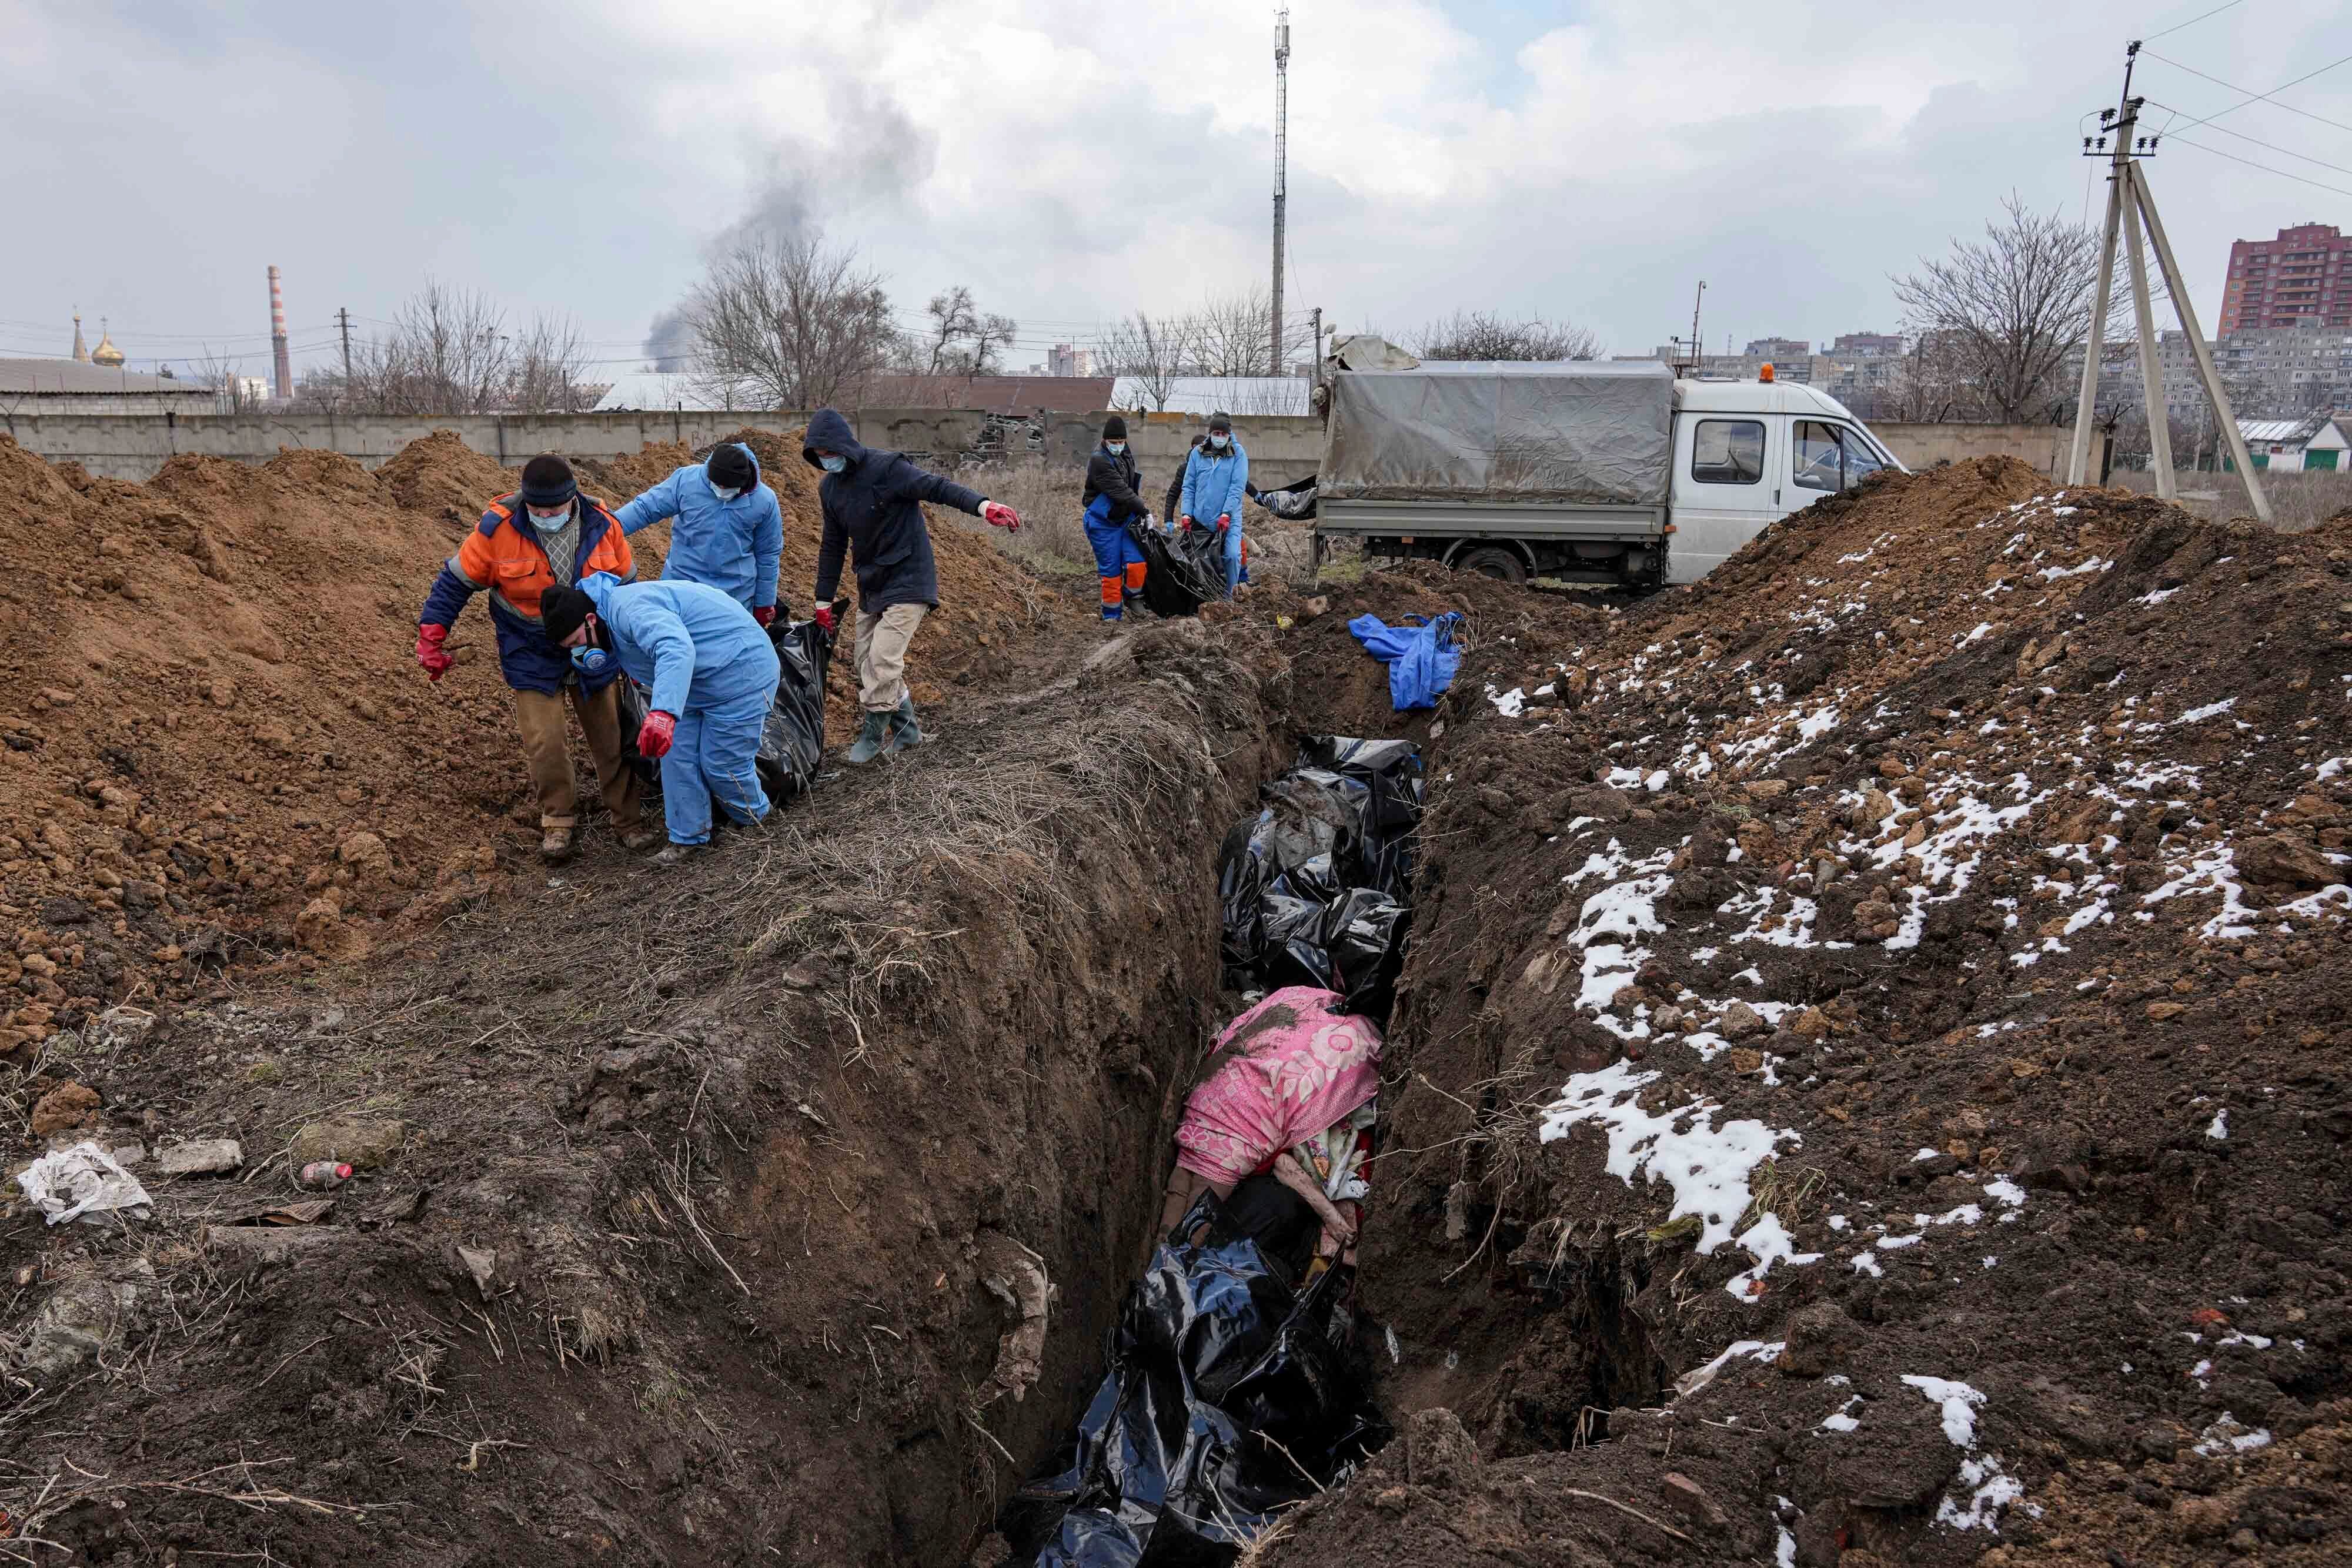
<point>1072,162</point>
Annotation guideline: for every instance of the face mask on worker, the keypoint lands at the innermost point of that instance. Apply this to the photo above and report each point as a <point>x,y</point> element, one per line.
<point>1114,447</point>
<point>1219,443</point>
<point>588,658</point>
<point>724,492</point>
<point>834,463</point>
<point>552,522</point>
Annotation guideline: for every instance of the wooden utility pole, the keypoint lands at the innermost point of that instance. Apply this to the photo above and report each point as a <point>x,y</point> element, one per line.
<point>2131,207</point>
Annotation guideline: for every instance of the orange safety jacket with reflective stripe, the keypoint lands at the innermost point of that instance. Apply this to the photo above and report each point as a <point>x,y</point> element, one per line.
<point>505,557</point>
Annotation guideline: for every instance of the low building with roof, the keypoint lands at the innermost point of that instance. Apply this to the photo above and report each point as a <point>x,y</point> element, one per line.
<point>2314,444</point>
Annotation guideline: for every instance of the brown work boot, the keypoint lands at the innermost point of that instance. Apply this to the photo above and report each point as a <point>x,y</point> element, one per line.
<point>555,846</point>
<point>639,837</point>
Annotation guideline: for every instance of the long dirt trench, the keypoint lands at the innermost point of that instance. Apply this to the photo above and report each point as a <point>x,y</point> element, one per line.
<point>707,1203</point>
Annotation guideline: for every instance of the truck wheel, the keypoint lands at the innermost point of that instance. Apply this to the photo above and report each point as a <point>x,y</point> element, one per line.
<point>1502,565</point>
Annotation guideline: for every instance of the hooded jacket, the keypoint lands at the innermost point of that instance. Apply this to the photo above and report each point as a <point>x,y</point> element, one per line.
<point>1214,484</point>
<point>873,508</point>
<point>1112,478</point>
<point>692,645</point>
<point>733,546</point>
<point>505,556</point>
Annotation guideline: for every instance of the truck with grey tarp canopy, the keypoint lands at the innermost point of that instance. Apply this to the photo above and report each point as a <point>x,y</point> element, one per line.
<point>1609,472</point>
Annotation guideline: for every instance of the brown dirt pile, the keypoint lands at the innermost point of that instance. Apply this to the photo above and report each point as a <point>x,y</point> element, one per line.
<point>219,751</point>
<point>441,475</point>
<point>1941,916</point>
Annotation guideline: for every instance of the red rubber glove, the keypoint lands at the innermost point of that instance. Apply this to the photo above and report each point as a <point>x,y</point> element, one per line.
<point>997,515</point>
<point>763,614</point>
<point>824,618</point>
<point>654,739</point>
<point>1224,521</point>
<point>429,652</point>
<point>1186,523</point>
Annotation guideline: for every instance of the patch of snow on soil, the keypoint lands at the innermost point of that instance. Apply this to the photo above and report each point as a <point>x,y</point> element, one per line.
<point>1990,1489</point>
<point>1510,703</point>
<point>1706,1166</point>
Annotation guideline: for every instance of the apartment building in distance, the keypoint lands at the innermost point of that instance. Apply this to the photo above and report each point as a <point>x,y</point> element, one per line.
<point>2302,278</point>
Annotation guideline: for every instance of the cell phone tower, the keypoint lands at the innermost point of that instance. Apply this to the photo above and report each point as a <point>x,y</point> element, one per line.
<point>1281,166</point>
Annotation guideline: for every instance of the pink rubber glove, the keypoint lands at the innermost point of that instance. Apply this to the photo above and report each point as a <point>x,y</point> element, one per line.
<point>997,515</point>
<point>1224,521</point>
<point>824,618</point>
<point>763,614</point>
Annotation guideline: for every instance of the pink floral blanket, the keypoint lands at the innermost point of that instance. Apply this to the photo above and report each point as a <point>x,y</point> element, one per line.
<point>1282,1071</point>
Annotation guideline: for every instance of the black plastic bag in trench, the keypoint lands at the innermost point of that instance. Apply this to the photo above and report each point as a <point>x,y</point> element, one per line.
<point>792,743</point>
<point>1224,1386</point>
<point>1315,889</point>
<point>1181,571</point>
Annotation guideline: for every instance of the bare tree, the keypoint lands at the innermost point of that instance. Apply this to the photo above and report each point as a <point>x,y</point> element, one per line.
<point>960,340</point>
<point>547,370</point>
<point>1154,351</point>
<point>2011,308</point>
<point>953,320</point>
<point>217,374</point>
<point>1230,334</point>
<point>1483,335</point>
<point>790,323</point>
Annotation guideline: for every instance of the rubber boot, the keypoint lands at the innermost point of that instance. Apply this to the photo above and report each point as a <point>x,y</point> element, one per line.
<point>868,745</point>
<point>903,730</point>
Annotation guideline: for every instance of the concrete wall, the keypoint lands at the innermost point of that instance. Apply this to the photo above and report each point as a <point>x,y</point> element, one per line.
<point>132,446</point>
<point>2046,446</point>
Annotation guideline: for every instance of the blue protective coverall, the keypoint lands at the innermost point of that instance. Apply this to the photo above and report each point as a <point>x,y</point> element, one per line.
<point>733,546</point>
<point>1214,486</point>
<point>710,664</point>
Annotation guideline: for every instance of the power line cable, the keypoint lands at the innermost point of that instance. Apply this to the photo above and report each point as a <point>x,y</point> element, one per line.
<point>2194,20</point>
<point>2264,167</point>
<point>2274,147</point>
<point>2252,95</point>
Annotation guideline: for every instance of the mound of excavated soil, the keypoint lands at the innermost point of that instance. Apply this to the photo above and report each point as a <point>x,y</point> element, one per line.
<point>1906,973</point>
<point>219,749</point>
<point>441,475</point>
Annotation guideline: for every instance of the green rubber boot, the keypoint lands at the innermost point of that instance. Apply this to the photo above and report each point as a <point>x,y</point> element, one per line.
<point>868,745</point>
<point>903,730</point>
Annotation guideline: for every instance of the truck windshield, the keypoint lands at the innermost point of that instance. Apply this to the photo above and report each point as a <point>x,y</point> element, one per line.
<point>1826,456</point>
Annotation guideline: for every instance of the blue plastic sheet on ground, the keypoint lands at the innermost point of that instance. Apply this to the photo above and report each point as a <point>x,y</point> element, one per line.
<point>1420,656</point>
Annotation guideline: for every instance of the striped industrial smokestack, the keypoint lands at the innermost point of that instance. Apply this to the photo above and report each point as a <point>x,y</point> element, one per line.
<point>280,362</point>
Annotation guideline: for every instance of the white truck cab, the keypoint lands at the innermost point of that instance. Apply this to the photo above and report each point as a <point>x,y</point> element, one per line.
<point>1615,473</point>
<point>1750,453</point>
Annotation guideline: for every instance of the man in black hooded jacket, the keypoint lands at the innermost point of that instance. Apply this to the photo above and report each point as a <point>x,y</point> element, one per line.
<point>873,510</point>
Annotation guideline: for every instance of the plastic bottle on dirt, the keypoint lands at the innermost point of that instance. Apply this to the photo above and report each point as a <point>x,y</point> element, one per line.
<point>324,1174</point>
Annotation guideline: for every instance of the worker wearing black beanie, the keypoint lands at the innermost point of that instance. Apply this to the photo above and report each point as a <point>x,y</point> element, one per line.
<point>531,549</point>
<point>1113,509</point>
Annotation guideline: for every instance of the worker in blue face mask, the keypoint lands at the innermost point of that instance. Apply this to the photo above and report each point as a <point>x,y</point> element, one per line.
<point>873,503</point>
<point>1216,480</point>
<point>1112,502</point>
<point>730,532</point>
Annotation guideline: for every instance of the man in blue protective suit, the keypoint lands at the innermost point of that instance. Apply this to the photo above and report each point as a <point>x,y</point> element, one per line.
<point>1216,479</point>
<point>1112,502</point>
<point>713,676</point>
<point>730,532</point>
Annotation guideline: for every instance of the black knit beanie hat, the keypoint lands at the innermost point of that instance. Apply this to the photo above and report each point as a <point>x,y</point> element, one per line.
<point>730,466</point>
<point>1115,428</point>
<point>563,611</point>
<point>547,481</point>
<point>1220,422</point>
